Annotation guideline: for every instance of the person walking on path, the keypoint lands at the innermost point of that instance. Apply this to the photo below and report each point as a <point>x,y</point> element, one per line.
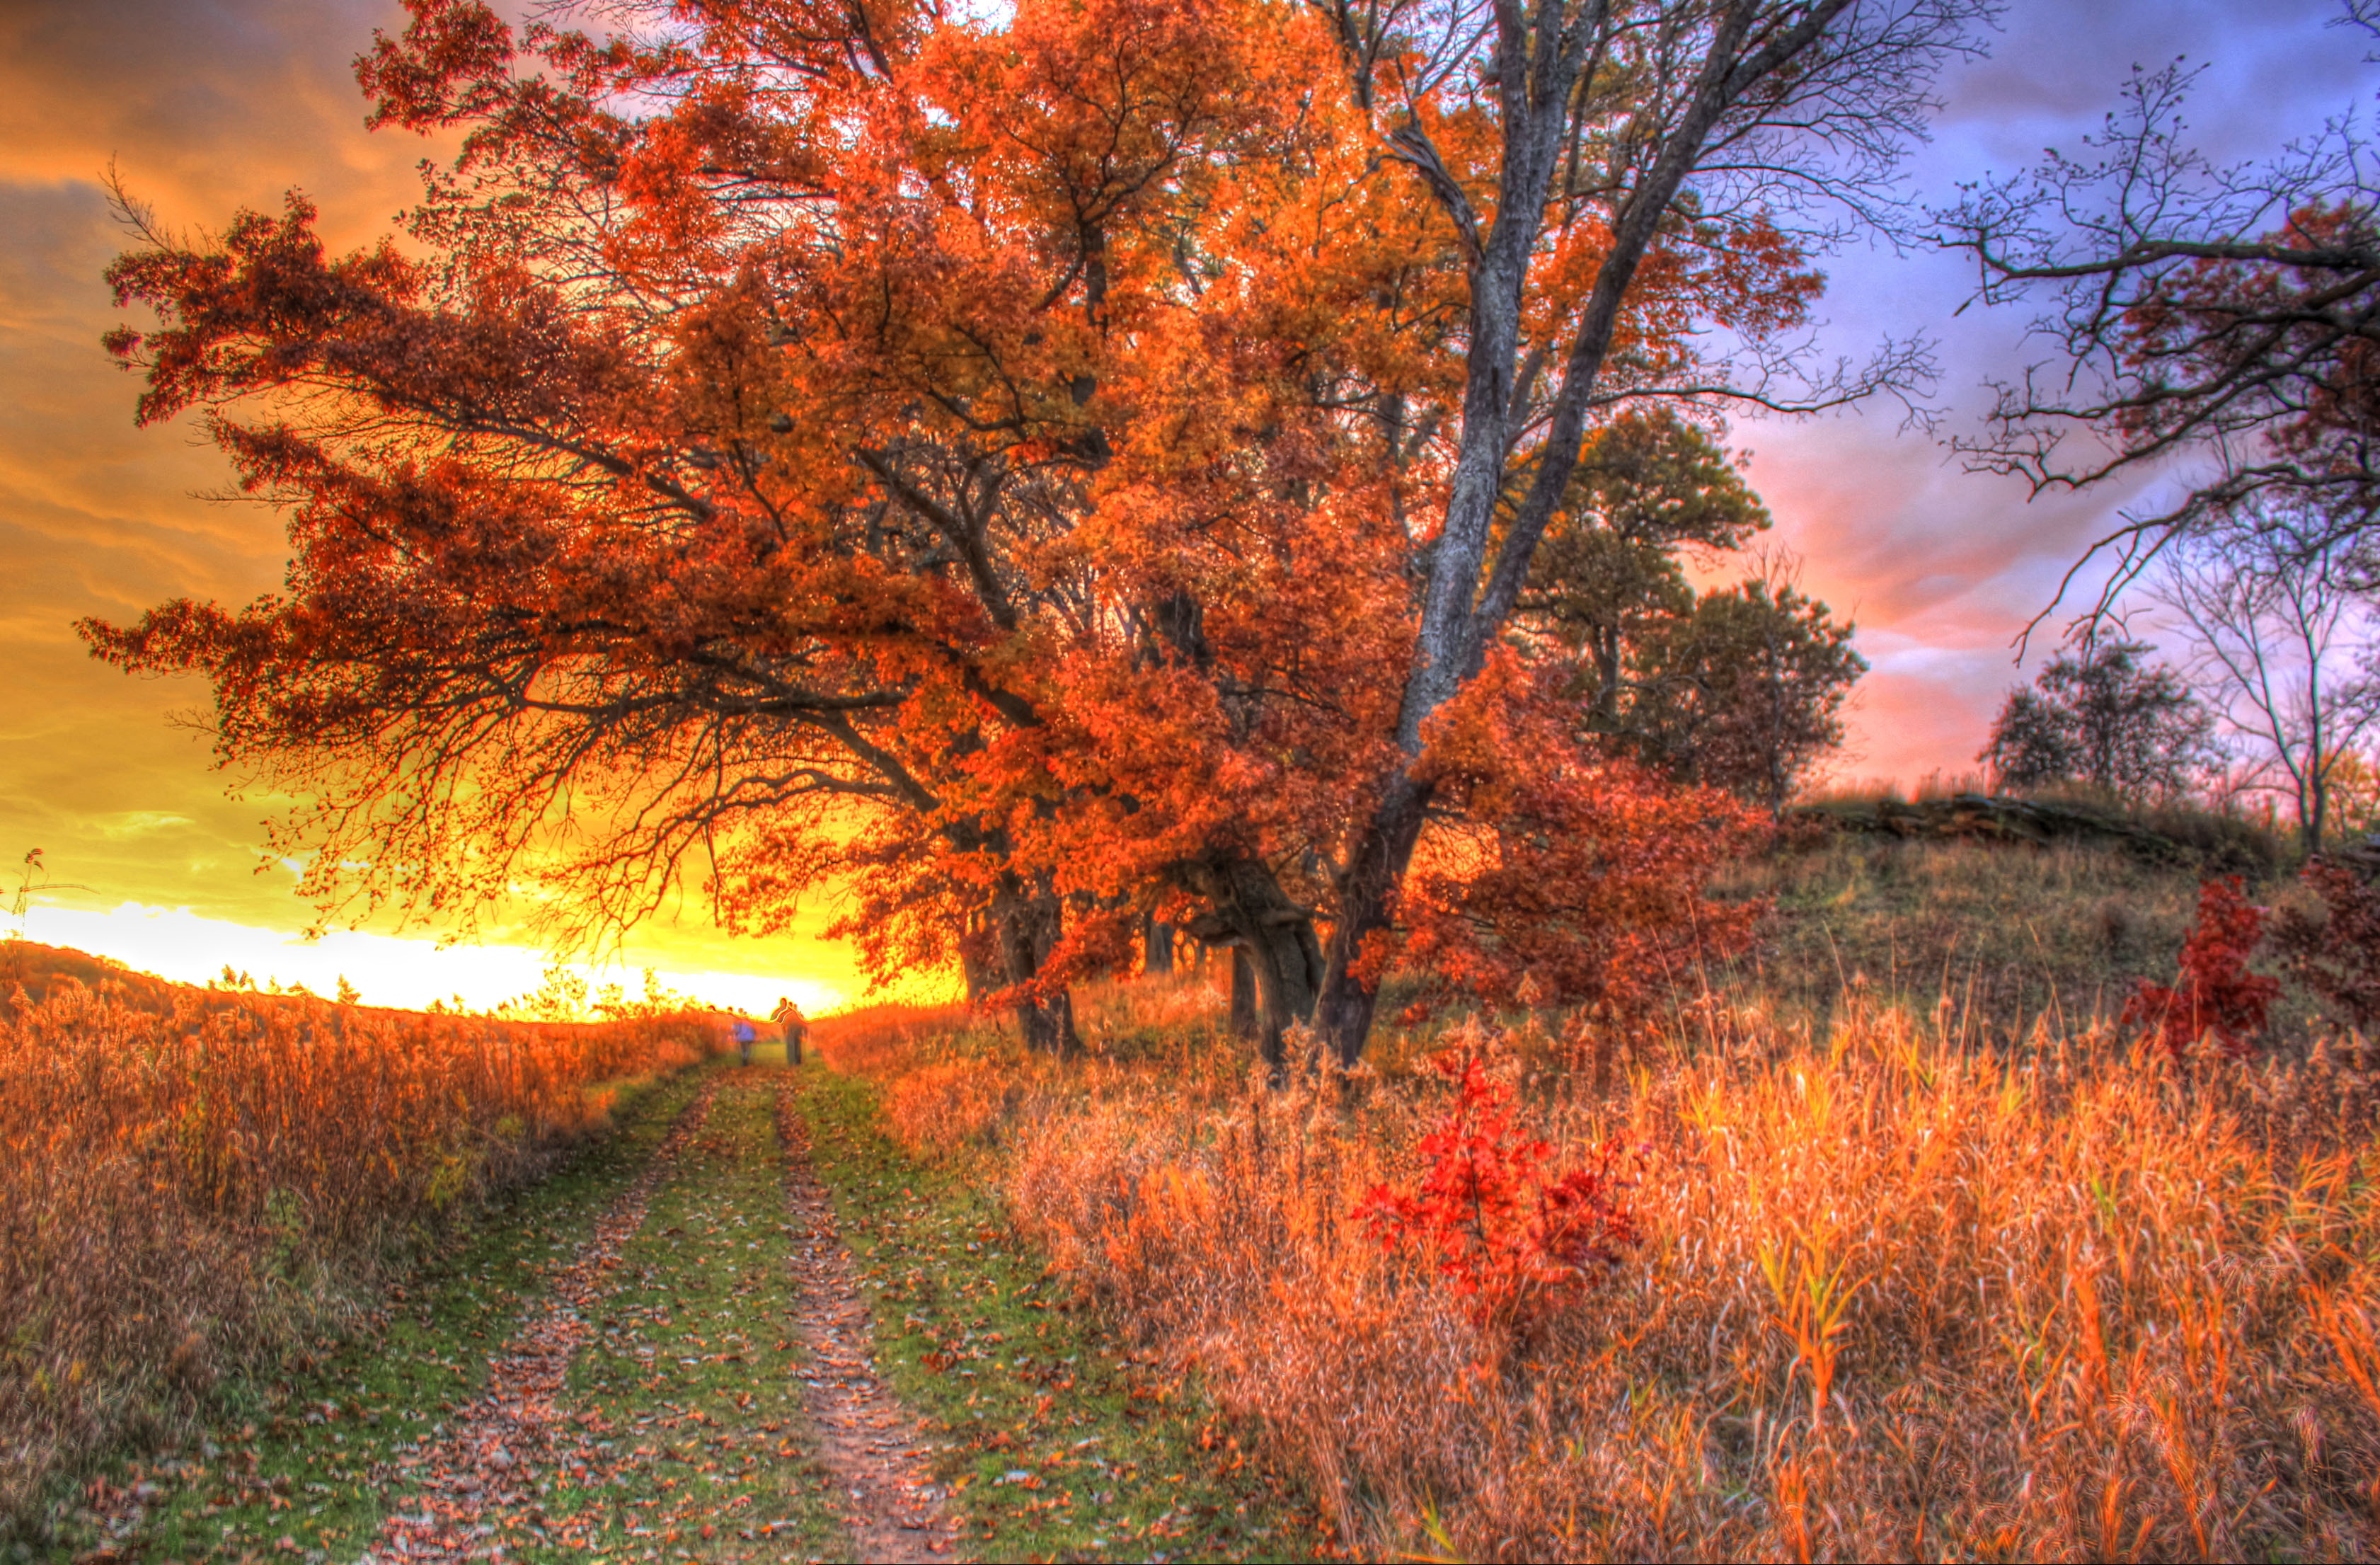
<point>789,1016</point>
<point>744,1037</point>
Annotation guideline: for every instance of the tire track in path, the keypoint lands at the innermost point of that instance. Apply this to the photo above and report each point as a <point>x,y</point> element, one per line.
<point>498,1443</point>
<point>866,1437</point>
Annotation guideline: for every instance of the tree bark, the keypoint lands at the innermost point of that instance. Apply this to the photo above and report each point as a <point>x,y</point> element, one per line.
<point>1343,1006</point>
<point>1272,940</point>
<point>1028,922</point>
<point>1243,995</point>
<point>1156,949</point>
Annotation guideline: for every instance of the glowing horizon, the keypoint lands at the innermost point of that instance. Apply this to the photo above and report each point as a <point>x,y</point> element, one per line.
<point>410,973</point>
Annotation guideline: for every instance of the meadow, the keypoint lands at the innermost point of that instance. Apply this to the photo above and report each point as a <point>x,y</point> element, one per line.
<point>1905,1249</point>
<point>198,1187</point>
<point>1890,1240</point>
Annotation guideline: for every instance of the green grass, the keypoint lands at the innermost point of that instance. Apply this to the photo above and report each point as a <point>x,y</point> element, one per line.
<point>302,1458</point>
<point>1058,1445</point>
<point>697,1444</point>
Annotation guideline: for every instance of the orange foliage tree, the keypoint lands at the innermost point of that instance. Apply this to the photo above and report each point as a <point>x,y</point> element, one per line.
<point>1037,475</point>
<point>1628,186</point>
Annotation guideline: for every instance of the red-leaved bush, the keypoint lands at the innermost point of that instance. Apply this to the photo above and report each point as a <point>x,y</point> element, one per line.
<point>2215,993</point>
<point>1514,1237</point>
<point>2338,955</point>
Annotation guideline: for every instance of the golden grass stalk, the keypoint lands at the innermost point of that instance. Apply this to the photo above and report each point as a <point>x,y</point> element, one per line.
<point>187,1194</point>
<point>1902,1296</point>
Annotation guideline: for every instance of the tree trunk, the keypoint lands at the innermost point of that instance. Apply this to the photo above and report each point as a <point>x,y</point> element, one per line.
<point>1243,995</point>
<point>1342,1010</point>
<point>1287,959</point>
<point>1028,922</point>
<point>1607,649</point>
<point>1156,949</point>
<point>979,959</point>
<point>1274,948</point>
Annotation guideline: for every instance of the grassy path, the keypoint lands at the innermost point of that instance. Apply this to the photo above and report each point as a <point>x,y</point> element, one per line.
<point>1060,1442</point>
<point>482,1478</point>
<point>865,1435</point>
<point>741,1326</point>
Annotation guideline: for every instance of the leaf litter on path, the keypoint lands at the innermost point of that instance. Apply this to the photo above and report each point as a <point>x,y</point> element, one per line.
<point>504,1440</point>
<point>689,1438</point>
<point>866,1439</point>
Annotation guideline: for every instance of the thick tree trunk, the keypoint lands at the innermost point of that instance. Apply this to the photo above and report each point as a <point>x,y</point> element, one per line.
<point>1287,959</point>
<point>1272,938</point>
<point>1029,923</point>
<point>1343,1009</point>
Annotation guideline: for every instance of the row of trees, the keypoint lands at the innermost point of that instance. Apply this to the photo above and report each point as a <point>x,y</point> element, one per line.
<point>1221,461</point>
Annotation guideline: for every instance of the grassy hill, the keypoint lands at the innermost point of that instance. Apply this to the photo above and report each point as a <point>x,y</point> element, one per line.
<point>2011,932</point>
<point>39,968</point>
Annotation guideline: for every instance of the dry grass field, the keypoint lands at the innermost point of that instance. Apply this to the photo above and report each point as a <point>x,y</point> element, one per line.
<point>1887,1241</point>
<point>1929,1260</point>
<point>193,1184</point>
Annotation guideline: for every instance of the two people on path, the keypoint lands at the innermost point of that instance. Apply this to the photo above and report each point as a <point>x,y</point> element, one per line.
<point>789,1016</point>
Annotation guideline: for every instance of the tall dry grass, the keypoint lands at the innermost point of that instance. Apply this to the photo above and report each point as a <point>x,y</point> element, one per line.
<point>2015,933</point>
<point>186,1194</point>
<point>1901,1294</point>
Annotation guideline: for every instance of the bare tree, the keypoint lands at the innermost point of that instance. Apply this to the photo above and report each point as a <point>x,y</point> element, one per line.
<point>2283,653</point>
<point>2229,316</point>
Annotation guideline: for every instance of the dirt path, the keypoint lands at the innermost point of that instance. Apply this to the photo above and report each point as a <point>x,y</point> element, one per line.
<point>682,1368</point>
<point>894,1509</point>
<point>487,1461</point>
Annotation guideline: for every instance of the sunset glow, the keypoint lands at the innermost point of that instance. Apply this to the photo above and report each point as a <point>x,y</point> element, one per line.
<point>386,970</point>
<point>202,116</point>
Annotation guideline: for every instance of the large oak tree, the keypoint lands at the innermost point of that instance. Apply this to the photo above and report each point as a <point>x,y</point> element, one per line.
<point>1037,473</point>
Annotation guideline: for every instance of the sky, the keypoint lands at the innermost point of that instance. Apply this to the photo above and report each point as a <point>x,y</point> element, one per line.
<point>204,106</point>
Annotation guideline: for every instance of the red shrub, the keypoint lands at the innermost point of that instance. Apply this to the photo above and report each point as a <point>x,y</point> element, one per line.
<point>1516,1238</point>
<point>2337,956</point>
<point>2215,993</point>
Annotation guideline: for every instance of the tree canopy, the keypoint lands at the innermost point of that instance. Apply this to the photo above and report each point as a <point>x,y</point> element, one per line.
<point>1035,474</point>
<point>2103,716</point>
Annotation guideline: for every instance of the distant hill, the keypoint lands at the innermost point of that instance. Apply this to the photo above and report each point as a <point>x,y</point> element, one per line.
<point>37,968</point>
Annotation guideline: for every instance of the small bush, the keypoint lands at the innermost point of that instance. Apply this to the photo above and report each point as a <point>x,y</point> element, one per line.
<point>2337,954</point>
<point>1516,1240</point>
<point>2215,996</point>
